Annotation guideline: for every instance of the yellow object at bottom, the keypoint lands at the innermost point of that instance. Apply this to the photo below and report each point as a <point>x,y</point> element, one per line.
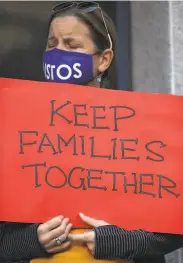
<point>76,254</point>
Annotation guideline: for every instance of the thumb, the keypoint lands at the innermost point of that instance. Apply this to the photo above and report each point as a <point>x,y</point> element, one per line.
<point>91,221</point>
<point>85,237</point>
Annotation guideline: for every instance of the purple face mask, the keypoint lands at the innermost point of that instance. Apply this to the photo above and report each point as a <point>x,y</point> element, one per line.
<point>68,67</point>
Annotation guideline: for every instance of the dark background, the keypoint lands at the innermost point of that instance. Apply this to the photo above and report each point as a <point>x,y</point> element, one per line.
<point>23,32</point>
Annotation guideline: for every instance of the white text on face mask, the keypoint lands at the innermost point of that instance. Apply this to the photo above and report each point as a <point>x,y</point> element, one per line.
<point>51,70</point>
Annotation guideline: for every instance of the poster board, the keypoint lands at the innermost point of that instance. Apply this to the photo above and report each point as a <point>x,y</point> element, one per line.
<point>113,155</point>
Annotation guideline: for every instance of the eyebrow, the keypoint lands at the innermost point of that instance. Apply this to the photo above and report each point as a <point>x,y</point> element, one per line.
<point>64,38</point>
<point>50,37</point>
<point>70,39</point>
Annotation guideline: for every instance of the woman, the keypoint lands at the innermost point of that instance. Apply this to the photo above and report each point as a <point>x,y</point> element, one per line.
<point>84,41</point>
<point>81,32</point>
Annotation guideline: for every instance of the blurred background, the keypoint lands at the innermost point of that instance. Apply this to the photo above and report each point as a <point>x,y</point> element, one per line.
<point>23,28</point>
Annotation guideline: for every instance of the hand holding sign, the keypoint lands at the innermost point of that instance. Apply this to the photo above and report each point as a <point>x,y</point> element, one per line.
<point>88,237</point>
<point>48,233</point>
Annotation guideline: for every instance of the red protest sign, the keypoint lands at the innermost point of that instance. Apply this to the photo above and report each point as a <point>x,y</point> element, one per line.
<point>113,155</point>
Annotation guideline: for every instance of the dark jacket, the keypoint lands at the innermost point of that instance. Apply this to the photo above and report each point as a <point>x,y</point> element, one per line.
<point>19,243</point>
<point>141,246</point>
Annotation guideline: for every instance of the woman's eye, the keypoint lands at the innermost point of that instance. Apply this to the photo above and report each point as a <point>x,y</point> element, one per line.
<point>52,42</point>
<point>50,45</point>
<point>74,47</point>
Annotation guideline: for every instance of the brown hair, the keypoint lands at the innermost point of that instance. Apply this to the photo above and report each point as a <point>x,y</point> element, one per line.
<point>99,36</point>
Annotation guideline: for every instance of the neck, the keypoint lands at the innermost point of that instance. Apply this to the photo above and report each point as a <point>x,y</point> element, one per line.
<point>94,84</point>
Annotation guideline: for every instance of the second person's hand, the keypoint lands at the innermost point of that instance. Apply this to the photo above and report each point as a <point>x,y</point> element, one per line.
<point>88,237</point>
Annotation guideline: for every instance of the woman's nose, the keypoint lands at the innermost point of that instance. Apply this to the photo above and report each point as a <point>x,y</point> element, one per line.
<point>61,45</point>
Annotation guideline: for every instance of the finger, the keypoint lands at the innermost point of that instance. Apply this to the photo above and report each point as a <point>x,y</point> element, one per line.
<point>85,237</point>
<point>77,237</point>
<point>60,248</point>
<point>68,229</point>
<point>53,223</point>
<point>62,238</point>
<point>57,231</point>
<point>91,221</point>
<point>53,244</point>
<point>46,227</point>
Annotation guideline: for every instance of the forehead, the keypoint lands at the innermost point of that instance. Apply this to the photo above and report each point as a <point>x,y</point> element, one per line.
<point>68,26</point>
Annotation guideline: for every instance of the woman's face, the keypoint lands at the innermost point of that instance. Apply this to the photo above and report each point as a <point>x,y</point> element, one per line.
<point>70,34</point>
